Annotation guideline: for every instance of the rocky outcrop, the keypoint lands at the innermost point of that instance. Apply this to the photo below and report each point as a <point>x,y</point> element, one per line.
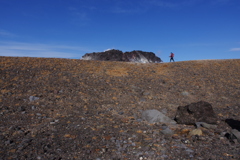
<point>117,55</point>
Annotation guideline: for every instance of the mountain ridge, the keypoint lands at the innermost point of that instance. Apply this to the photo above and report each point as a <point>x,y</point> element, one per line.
<point>136,56</point>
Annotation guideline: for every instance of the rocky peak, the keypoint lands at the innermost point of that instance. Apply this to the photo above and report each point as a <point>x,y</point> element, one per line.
<point>117,55</point>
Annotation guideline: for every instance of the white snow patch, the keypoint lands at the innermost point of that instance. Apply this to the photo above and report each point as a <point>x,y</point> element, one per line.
<point>87,58</point>
<point>108,49</point>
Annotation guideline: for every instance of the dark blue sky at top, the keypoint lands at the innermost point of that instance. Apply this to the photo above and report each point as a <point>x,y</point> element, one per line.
<point>192,29</point>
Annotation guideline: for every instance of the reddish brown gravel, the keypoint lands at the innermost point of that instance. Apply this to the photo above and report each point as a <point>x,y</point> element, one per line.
<point>75,109</point>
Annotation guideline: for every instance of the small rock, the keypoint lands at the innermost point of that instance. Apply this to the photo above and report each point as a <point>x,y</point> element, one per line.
<point>103,150</point>
<point>33,98</point>
<point>235,134</point>
<point>185,93</point>
<point>8,142</point>
<point>142,100</point>
<point>146,93</point>
<point>166,130</point>
<point>139,120</point>
<point>21,108</point>
<point>121,113</point>
<point>189,150</point>
<point>195,138</point>
<point>196,132</point>
<point>206,125</point>
<point>186,141</point>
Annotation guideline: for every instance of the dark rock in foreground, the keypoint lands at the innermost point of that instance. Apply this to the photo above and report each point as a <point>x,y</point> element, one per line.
<point>117,55</point>
<point>196,112</point>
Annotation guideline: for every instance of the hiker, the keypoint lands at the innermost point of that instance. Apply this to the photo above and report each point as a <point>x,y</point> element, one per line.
<point>171,57</point>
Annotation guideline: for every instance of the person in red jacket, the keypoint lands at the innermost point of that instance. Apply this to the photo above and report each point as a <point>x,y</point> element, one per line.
<point>171,57</point>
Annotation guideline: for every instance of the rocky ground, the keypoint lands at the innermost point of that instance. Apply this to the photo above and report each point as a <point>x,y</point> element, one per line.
<point>76,109</point>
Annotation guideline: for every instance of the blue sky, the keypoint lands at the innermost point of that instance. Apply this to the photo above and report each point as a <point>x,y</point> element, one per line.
<point>192,29</point>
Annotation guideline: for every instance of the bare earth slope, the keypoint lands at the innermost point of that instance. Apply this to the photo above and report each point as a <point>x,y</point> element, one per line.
<point>76,109</point>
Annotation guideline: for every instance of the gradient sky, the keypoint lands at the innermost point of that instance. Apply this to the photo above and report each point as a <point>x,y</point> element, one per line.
<point>192,29</point>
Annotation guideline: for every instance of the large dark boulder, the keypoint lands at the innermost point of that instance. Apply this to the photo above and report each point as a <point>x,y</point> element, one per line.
<point>196,112</point>
<point>117,55</point>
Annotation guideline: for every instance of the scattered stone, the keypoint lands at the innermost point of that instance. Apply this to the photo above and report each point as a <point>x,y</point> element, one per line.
<point>154,115</point>
<point>21,108</point>
<point>8,142</point>
<point>235,134</point>
<point>54,121</point>
<point>196,112</point>
<point>166,130</point>
<point>121,113</point>
<point>189,150</point>
<point>185,93</point>
<point>185,141</point>
<point>196,132</point>
<point>139,120</point>
<point>33,98</point>
<point>146,93</point>
<point>142,100</point>
<point>206,125</point>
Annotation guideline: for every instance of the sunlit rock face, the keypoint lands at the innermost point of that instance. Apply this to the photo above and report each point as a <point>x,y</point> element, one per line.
<point>117,55</point>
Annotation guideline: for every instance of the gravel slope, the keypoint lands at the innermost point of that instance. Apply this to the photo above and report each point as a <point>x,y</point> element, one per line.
<point>76,109</point>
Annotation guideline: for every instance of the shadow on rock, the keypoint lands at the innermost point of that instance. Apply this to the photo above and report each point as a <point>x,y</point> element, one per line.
<point>234,124</point>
